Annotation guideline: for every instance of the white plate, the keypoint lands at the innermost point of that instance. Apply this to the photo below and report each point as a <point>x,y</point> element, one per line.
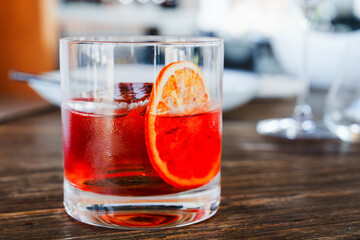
<point>239,87</point>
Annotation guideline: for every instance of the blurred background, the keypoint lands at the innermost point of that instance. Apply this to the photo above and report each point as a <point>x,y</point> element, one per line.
<point>263,41</point>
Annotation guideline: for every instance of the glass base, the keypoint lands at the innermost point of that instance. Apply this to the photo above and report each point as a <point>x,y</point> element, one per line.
<point>347,131</point>
<point>291,129</point>
<point>130,212</point>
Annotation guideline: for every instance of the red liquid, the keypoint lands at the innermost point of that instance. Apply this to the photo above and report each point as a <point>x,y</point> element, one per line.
<point>106,153</point>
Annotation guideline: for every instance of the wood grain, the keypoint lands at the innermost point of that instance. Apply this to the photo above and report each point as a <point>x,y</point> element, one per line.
<point>271,188</point>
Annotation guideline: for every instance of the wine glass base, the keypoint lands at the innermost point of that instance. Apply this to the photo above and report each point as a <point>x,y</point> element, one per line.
<point>290,128</point>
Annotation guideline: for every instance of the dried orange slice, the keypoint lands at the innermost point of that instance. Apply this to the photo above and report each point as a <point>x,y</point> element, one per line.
<point>183,136</point>
<point>180,89</point>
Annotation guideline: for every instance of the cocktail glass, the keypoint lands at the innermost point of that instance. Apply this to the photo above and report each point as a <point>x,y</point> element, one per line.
<point>141,129</point>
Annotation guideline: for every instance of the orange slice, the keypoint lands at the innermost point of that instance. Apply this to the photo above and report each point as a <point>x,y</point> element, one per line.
<point>183,136</point>
<point>180,89</point>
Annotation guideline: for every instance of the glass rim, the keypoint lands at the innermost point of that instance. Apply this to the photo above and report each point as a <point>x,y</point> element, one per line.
<point>143,40</point>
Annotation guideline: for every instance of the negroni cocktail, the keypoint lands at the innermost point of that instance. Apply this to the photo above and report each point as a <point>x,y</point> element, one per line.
<point>141,130</point>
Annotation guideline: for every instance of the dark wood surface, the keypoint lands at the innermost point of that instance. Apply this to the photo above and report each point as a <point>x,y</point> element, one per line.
<point>271,188</point>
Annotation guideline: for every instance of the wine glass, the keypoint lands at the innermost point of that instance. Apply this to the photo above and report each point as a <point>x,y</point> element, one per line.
<point>302,124</point>
<point>342,108</point>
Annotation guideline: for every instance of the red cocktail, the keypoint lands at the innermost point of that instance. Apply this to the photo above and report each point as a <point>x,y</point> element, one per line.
<point>141,130</point>
<point>106,152</point>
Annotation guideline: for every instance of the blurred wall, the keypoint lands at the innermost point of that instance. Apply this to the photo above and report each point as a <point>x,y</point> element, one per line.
<point>28,41</point>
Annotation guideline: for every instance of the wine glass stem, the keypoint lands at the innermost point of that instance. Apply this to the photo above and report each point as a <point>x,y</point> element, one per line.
<point>302,110</point>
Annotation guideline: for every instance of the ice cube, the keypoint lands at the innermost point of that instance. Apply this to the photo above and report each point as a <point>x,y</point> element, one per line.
<point>126,97</point>
<point>133,92</point>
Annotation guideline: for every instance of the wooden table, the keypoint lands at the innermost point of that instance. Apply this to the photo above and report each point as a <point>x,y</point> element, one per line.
<point>271,188</point>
